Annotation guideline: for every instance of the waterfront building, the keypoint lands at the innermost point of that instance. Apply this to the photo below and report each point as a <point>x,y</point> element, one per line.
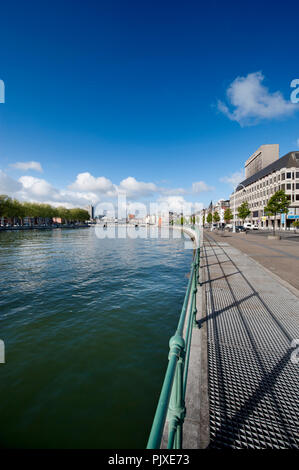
<point>220,207</point>
<point>263,156</point>
<point>256,189</point>
<point>90,209</point>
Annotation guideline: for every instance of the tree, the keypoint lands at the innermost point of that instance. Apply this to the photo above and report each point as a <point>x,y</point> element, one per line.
<point>203,219</point>
<point>209,218</point>
<point>296,224</point>
<point>228,215</point>
<point>216,217</point>
<point>243,211</point>
<point>5,203</point>
<point>277,204</point>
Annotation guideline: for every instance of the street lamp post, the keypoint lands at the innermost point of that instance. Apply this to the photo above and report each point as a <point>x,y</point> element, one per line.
<point>240,184</point>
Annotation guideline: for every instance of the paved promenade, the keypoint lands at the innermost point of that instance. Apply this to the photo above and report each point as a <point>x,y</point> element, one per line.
<point>279,256</point>
<point>251,319</point>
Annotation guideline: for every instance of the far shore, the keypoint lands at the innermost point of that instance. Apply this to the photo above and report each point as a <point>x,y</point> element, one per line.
<point>41,227</point>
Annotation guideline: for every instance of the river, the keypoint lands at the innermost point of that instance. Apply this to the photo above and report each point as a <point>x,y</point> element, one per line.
<point>86,323</point>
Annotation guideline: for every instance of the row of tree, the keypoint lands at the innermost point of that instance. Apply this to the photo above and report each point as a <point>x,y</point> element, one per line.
<point>12,208</point>
<point>277,204</point>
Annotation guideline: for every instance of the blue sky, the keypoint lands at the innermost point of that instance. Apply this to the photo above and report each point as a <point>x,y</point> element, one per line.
<point>125,89</point>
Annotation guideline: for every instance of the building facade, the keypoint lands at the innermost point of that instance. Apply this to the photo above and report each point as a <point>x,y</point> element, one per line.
<point>90,209</point>
<point>264,156</point>
<point>220,207</point>
<point>256,189</point>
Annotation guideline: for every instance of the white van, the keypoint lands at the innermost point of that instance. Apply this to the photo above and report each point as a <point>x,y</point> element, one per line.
<point>250,226</point>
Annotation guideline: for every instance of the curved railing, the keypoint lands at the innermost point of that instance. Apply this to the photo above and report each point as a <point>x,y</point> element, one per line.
<point>171,405</point>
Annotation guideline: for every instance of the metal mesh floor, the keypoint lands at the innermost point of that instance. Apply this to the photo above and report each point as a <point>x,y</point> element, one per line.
<point>253,385</point>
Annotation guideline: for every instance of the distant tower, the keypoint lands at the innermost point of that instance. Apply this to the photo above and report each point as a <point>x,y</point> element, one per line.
<point>90,209</point>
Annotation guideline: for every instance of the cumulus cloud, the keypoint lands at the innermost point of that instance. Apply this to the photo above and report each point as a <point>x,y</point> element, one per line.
<point>201,186</point>
<point>234,178</point>
<point>87,182</point>
<point>37,187</point>
<point>134,188</point>
<point>175,203</point>
<point>179,204</point>
<point>8,185</point>
<point>249,101</point>
<point>25,166</point>
<point>88,189</point>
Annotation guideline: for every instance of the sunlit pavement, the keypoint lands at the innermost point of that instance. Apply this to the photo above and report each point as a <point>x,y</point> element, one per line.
<point>252,320</point>
<point>279,256</point>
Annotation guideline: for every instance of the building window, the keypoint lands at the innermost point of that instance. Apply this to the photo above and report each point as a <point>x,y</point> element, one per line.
<point>283,186</point>
<point>289,175</point>
<point>297,197</point>
<point>297,185</point>
<point>283,176</point>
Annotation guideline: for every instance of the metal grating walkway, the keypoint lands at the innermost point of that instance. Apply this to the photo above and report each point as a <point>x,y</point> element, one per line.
<point>253,384</point>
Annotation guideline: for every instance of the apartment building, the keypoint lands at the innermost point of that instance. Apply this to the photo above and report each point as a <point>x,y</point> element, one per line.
<point>282,173</point>
<point>220,207</point>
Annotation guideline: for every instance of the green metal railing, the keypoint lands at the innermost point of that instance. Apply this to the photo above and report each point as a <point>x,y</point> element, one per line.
<point>171,405</point>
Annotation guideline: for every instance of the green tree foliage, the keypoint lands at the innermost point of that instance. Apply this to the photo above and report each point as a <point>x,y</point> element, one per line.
<point>296,224</point>
<point>216,217</point>
<point>209,218</point>
<point>277,204</point>
<point>12,208</point>
<point>228,216</point>
<point>5,205</point>
<point>243,211</point>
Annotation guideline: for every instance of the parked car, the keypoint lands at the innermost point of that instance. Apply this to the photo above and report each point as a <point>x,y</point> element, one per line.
<point>240,228</point>
<point>255,227</point>
<point>248,225</point>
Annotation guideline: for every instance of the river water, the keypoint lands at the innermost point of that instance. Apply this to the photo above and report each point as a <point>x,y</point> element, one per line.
<point>86,323</point>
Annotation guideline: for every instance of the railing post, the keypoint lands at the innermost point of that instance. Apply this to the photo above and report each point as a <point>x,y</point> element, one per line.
<point>194,288</point>
<point>176,410</point>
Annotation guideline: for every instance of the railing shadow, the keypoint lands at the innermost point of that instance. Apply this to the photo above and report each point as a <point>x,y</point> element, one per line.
<point>269,378</point>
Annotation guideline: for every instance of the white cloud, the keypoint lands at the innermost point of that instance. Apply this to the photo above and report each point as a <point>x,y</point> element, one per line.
<point>297,142</point>
<point>37,187</point>
<point>8,185</point>
<point>89,189</point>
<point>201,186</point>
<point>234,178</point>
<point>87,182</point>
<point>25,166</point>
<point>134,188</point>
<point>175,203</point>
<point>179,204</point>
<point>251,101</point>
